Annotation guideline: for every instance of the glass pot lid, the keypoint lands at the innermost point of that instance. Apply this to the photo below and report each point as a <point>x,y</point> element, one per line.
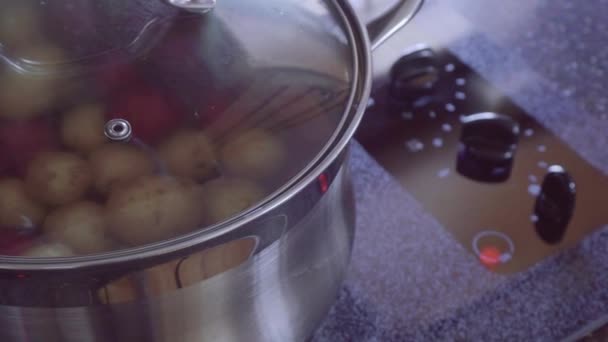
<point>127,123</point>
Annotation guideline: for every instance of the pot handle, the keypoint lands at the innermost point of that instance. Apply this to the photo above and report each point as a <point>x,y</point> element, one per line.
<point>200,6</point>
<point>382,29</point>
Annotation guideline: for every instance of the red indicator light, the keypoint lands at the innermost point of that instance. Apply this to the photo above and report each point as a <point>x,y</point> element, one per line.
<point>490,256</point>
<point>323,182</point>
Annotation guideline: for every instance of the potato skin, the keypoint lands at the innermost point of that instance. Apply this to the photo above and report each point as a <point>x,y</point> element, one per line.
<point>81,226</point>
<point>189,154</point>
<point>58,178</point>
<point>153,209</point>
<point>49,250</point>
<point>17,208</point>
<point>224,198</point>
<point>253,154</point>
<point>82,128</point>
<point>115,164</point>
<point>17,101</point>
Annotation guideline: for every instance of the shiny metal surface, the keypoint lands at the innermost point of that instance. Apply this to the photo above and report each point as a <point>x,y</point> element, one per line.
<point>118,130</point>
<point>278,294</point>
<point>385,27</point>
<point>269,275</point>
<point>193,5</point>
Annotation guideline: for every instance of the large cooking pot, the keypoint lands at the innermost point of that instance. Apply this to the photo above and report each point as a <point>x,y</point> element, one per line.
<point>175,170</point>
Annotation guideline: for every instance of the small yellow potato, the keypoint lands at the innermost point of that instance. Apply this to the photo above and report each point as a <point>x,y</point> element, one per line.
<point>49,250</point>
<point>58,178</point>
<point>81,226</point>
<point>118,164</point>
<point>255,153</point>
<point>189,154</point>
<point>224,198</point>
<point>82,128</point>
<point>17,208</point>
<point>153,209</point>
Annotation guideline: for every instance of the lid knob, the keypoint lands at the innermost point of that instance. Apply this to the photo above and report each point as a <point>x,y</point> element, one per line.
<point>118,130</point>
<point>200,6</point>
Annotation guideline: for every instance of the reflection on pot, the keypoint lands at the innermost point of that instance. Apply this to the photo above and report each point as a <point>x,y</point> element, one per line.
<point>178,274</point>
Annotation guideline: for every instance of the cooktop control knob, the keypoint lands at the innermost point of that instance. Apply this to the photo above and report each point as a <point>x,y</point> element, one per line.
<point>488,144</point>
<point>555,205</point>
<point>414,76</point>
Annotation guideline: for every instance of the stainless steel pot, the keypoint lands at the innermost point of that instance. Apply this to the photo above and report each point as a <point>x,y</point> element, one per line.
<point>270,274</point>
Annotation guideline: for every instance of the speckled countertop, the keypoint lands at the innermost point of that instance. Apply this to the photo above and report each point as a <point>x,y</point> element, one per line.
<point>409,279</point>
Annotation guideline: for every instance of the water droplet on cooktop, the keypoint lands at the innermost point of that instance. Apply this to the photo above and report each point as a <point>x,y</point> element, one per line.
<point>407,115</point>
<point>414,145</point>
<point>450,67</point>
<point>534,190</point>
<point>432,114</point>
<point>423,101</point>
<point>446,127</point>
<point>450,107</point>
<point>529,132</point>
<point>541,148</point>
<point>438,142</point>
<point>461,81</point>
<point>543,164</point>
<point>533,179</point>
<point>460,95</point>
<point>445,173</point>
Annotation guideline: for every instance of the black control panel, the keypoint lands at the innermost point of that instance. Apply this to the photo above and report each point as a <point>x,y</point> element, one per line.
<point>507,188</point>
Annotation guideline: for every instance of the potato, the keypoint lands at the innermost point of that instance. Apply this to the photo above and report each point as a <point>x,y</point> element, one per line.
<point>17,208</point>
<point>81,226</point>
<point>49,250</point>
<point>19,24</point>
<point>255,154</point>
<point>82,129</point>
<point>154,208</point>
<point>58,178</point>
<point>189,154</point>
<point>23,97</point>
<point>118,164</point>
<point>224,198</point>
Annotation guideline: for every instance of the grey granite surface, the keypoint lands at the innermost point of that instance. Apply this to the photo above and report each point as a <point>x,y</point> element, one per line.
<point>409,279</point>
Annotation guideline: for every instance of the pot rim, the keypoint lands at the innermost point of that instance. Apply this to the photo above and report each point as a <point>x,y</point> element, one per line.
<point>351,118</point>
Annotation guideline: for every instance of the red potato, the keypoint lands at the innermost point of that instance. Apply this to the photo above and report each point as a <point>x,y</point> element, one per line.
<point>116,75</point>
<point>14,242</point>
<point>189,154</point>
<point>49,250</point>
<point>82,129</point>
<point>254,153</point>
<point>58,178</point>
<point>17,208</point>
<point>6,164</point>
<point>150,114</point>
<point>153,209</point>
<point>80,226</point>
<point>224,198</point>
<point>21,141</point>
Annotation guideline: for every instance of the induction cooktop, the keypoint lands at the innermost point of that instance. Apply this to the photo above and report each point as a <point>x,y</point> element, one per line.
<point>510,191</point>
